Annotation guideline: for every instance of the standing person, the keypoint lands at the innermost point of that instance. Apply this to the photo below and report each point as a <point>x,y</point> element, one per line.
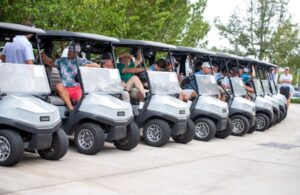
<point>69,89</point>
<point>19,51</point>
<point>286,87</point>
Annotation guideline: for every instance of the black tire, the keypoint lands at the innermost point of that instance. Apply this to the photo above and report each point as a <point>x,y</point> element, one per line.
<point>59,146</point>
<point>262,122</point>
<point>242,120</point>
<point>227,132</point>
<point>131,139</point>
<point>14,147</point>
<point>164,131</point>
<point>205,134</point>
<point>252,129</point>
<point>96,138</point>
<point>188,135</point>
<point>274,120</point>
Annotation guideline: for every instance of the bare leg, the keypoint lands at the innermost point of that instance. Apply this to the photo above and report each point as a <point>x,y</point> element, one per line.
<point>63,94</point>
<point>135,81</point>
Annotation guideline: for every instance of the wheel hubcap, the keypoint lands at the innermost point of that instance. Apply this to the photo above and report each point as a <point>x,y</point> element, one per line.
<point>202,130</point>
<point>260,122</point>
<point>238,125</point>
<point>86,139</point>
<point>154,133</point>
<point>4,148</point>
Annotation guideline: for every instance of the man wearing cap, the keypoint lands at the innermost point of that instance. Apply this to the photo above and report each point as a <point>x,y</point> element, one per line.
<point>19,51</point>
<point>205,69</point>
<point>286,87</point>
<point>69,89</point>
<point>127,69</point>
<point>245,75</point>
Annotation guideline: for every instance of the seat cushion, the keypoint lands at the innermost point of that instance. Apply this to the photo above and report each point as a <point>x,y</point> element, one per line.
<point>55,100</point>
<point>54,77</point>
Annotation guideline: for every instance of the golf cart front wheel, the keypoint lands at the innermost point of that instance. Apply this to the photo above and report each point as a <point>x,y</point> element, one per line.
<point>262,122</point>
<point>240,125</point>
<point>11,148</point>
<point>205,129</point>
<point>188,135</point>
<point>89,138</point>
<point>227,132</point>
<point>59,146</point>
<point>156,132</point>
<point>131,139</point>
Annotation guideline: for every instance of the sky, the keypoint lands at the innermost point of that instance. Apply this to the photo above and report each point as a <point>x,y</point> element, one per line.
<point>224,8</point>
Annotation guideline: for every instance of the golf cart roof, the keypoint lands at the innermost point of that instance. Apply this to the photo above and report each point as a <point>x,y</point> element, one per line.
<point>194,50</point>
<point>62,35</point>
<point>146,44</point>
<point>10,30</point>
<point>229,56</point>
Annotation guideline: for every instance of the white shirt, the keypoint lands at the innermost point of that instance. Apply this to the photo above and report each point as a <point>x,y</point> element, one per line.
<point>285,77</point>
<point>19,51</point>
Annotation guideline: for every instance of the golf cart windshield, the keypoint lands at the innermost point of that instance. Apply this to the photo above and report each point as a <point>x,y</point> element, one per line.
<point>238,87</point>
<point>258,88</point>
<point>265,84</point>
<point>164,83</point>
<point>101,80</point>
<point>207,85</point>
<point>23,79</point>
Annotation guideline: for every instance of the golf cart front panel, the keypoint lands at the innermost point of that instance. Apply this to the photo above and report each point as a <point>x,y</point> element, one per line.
<point>19,83</point>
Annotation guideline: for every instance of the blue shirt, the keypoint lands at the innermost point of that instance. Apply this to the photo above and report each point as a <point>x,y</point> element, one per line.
<point>18,51</point>
<point>245,77</point>
<point>68,70</point>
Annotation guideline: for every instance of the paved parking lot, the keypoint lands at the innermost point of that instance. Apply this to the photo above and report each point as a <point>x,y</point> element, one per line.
<point>260,163</point>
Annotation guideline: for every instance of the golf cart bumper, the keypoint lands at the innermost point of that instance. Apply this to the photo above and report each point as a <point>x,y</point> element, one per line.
<point>221,119</point>
<point>222,124</point>
<point>179,127</point>
<point>40,138</point>
<point>118,130</point>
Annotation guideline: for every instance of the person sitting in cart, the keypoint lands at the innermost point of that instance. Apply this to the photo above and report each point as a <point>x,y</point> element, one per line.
<point>69,90</point>
<point>127,68</point>
<point>19,51</point>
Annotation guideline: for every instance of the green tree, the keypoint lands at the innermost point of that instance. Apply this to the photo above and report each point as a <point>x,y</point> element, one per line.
<point>266,32</point>
<point>172,21</point>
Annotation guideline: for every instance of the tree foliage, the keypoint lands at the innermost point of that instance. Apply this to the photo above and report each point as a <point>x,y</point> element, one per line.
<point>266,32</point>
<point>172,21</point>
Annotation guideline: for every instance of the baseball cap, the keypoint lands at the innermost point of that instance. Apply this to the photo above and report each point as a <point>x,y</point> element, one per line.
<point>205,65</point>
<point>106,56</point>
<point>246,69</point>
<point>286,68</point>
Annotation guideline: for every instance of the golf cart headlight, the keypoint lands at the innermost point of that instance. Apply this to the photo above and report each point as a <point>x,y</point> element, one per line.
<point>249,108</point>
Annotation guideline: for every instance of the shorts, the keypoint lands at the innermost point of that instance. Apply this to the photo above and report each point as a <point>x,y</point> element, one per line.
<point>285,90</point>
<point>75,93</point>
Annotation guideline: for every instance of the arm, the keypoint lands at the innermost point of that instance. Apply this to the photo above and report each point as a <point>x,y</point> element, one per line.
<point>93,65</point>
<point>29,62</point>
<point>132,70</point>
<point>138,59</point>
<point>2,58</point>
<point>48,61</point>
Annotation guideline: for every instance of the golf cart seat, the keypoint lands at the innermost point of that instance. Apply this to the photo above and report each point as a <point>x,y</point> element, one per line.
<point>54,78</point>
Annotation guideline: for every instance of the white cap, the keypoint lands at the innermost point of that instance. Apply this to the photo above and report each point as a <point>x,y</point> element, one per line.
<point>205,65</point>
<point>246,69</point>
<point>286,68</point>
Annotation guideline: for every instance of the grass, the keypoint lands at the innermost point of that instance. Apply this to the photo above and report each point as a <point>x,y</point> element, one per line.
<point>296,101</point>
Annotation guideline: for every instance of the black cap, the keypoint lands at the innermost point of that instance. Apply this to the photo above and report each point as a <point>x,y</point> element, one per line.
<point>106,56</point>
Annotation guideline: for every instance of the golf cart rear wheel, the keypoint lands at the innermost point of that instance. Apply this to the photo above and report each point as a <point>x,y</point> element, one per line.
<point>240,125</point>
<point>262,122</point>
<point>11,148</point>
<point>188,135</point>
<point>89,138</point>
<point>205,129</point>
<point>131,139</point>
<point>227,132</point>
<point>59,146</point>
<point>156,132</point>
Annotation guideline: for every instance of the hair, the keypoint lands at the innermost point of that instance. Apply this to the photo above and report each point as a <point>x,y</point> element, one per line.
<point>162,64</point>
